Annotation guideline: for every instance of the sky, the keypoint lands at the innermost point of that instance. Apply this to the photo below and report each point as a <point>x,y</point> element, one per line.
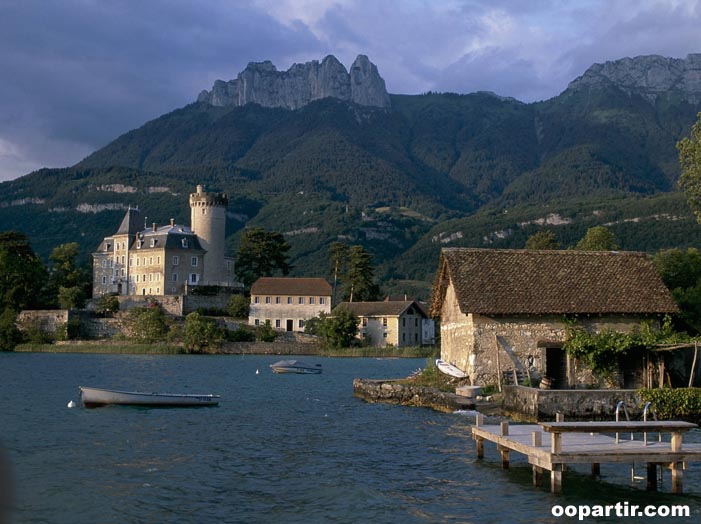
<point>76,74</point>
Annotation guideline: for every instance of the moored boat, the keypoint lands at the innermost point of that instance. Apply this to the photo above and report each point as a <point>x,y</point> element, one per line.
<point>94,397</point>
<point>450,369</point>
<point>295,366</point>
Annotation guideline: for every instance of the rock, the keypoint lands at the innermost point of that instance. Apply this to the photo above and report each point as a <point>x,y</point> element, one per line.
<point>263,84</point>
<point>649,76</point>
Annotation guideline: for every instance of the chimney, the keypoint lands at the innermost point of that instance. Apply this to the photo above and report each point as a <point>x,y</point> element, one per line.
<point>154,227</point>
<point>172,222</point>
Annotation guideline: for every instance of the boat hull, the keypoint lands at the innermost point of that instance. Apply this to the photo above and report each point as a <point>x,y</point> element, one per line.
<point>95,397</point>
<point>294,366</point>
<point>450,369</point>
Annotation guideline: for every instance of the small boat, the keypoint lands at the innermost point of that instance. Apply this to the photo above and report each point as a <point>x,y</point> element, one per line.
<point>295,366</point>
<point>94,397</point>
<point>450,369</point>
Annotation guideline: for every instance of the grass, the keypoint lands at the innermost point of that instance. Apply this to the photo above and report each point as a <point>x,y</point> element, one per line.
<point>381,352</point>
<point>101,347</point>
<point>431,377</point>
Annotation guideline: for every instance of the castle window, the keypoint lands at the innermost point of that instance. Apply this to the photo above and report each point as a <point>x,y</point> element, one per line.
<point>153,242</point>
<point>137,278</point>
<point>159,260</point>
<point>122,259</point>
<point>158,277</point>
<point>122,272</point>
<point>144,260</point>
<point>172,290</point>
<point>107,247</point>
<point>193,278</point>
<point>139,244</point>
<point>150,277</point>
<point>150,261</point>
<point>158,291</point>
<point>176,260</point>
<point>204,210</point>
<point>137,261</point>
<point>131,262</point>
<point>104,263</point>
<point>193,261</point>
<point>104,280</point>
<point>184,243</point>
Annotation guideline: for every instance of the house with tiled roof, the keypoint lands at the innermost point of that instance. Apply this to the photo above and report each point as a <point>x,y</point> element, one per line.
<point>395,322</point>
<point>287,303</point>
<point>507,308</point>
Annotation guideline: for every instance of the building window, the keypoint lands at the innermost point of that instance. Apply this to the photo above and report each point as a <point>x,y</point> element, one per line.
<point>122,259</point>
<point>193,278</point>
<point>193,261</point>
<point>289,300</point>
<point>158,277</point>
<point>139,243</point>
<point>416,337</point>
<point>158,291</point>
<point>257,322</point>
<point>176,260</point>
<point>172,290</point>
<point>153,242</point>
<point>300,323</point>
<point>122,273</point>
<point>228,265</point>
<point>184,243</point>
<point>150,261</point>
<point>267,300</point>
<point>159,260</point>
<point>384,322</point>
<point>301,300</point>
<point>365,322</point>
<point>277,323</point>
<point>256,300</point>
<point>175,277</point>
<point>416,322</point>
<point>311,300</point>
<point>104,263</point>
<point>107,247</point>
<point>104,280</point>
<point>403,337</point>
<point>277,300</point>
<point>150,277</point>
<point>322,300</point>
<point>384,335</point>
<point>404,322</point>
<point>137,278</point>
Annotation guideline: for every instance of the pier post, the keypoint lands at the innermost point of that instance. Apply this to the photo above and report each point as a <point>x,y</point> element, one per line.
<point>559,417</point>
<point>556,478</point>
<point>504,426</point>
<point>677,478</point>
<point>479,420</point>
<point>479,441</point>
<point>537,475</point>
<point>651,476</point>
<point>595,469</point>
<point>504,457</point>
<point>537,439</point>
<point>556,443</point>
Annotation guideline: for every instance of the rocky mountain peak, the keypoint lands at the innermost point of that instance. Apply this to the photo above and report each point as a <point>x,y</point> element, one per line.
<point>301,84</point>
<point>649,76</point>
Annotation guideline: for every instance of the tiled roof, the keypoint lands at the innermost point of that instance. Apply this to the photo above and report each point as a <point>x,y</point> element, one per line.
<point>291,286</point>
<point>380,309</point>
<point>530,282</point>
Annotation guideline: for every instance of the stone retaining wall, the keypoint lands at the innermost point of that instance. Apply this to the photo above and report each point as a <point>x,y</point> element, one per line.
<point>588,404</point>
<point>392,392</point>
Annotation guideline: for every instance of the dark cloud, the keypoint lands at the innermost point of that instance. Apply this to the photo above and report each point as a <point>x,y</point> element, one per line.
<point>77,73</point>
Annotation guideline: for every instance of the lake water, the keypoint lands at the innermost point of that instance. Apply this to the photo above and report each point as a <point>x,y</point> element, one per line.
<point>278,449</point>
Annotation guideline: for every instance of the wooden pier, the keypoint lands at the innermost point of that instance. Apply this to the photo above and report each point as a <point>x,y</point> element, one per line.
<point>552,445</point>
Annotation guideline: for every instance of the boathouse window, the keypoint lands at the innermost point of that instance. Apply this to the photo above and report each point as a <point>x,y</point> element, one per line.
<point>311,300</point>
<point>301,300</point>
<point>322,300</point>
<point>384,335</point>
<point>384,322</point>
<point>289,300</point>
<point>257,322</point>
<point>267,300</point>
<point>256,300</point>
<point>365,322</point>
<point>176,260</point>
<point>277,300</point>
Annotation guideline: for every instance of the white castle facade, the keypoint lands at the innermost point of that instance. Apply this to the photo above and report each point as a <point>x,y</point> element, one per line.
<point>167,259</point>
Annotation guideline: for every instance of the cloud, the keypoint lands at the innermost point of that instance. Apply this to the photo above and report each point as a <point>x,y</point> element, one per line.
<point>78,73</point>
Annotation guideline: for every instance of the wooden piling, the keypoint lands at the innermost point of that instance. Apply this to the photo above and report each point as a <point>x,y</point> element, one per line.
<point>651,476</point>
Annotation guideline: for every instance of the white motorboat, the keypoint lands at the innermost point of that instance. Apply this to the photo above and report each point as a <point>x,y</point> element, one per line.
<point>450,369</point>
<point>295,366</point>
<point>94,397</point>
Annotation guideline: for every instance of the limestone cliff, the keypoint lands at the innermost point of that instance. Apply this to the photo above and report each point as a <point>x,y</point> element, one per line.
<point>649,76</point>
<point>263,84</point>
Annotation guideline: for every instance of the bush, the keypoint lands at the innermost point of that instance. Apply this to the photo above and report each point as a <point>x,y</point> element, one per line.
<point>242,334</point>
<point>10,336</point>
<point>108,303</point>
<point>239,306</point>
<point>266,333</point>
<point>147,325</point>
<point>202,334</point>
<point>674,404</point>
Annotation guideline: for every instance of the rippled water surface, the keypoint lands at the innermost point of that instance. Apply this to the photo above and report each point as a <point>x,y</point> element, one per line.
<point>278,449</point>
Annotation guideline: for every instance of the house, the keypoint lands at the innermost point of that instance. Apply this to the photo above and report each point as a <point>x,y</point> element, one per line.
<point>507,308</point>
<point>288,302</point>
<point>166,259</point>
<point>395,322</point>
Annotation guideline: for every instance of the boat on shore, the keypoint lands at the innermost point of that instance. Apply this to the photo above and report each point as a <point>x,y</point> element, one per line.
<point>94,397</point>
<point>295,366</point>
<point>450,369</point>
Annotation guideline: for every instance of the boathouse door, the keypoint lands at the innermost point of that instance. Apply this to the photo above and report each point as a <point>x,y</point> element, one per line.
<point>556,367</point>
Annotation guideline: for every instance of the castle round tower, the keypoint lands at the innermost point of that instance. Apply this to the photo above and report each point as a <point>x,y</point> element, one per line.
<point>208,222</point>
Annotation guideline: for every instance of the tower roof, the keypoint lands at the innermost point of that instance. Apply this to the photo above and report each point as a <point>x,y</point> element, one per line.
<point>131,223</point>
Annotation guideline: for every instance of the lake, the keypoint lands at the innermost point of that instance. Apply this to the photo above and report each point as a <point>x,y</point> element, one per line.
<point>278,449</point>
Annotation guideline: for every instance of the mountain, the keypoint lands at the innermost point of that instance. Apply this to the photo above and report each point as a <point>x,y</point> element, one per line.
<point>299,152</point>
<point>261,83</point>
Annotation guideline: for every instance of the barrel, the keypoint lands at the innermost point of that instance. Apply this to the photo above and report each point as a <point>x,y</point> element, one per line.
<point>546,383</point>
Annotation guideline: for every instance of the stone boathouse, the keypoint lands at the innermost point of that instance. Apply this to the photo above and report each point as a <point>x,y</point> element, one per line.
<point>502,309</point>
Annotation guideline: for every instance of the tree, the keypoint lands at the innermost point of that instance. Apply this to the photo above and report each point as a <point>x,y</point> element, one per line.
<point>690,161</point>
<point>260,254</point>
<point>598,238</point>
<point>542,240</point>
<point>10,336</point>
<point>359,278</point>
<point>681,272</point>
<point>108,303</point>
<point>69,283</point>
<point>239,306</point>
<point>22,275</point>
<point>337,330</point>
<point>338,261</point>
<point>202,333</point>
